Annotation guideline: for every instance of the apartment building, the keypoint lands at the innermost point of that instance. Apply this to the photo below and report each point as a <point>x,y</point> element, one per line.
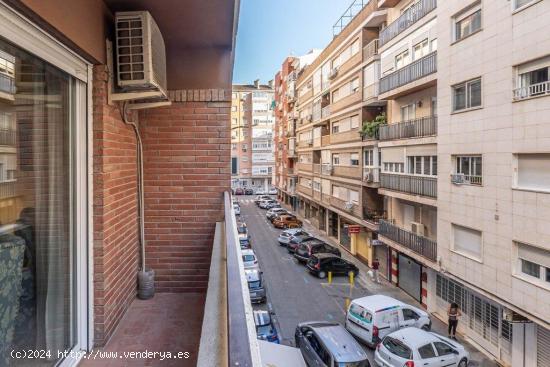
<point>493,198</point>
<point>82,211</point>
<point>285,125</point>
<point>252,123</point>
<point>336,164</point>
<point>447,183</point>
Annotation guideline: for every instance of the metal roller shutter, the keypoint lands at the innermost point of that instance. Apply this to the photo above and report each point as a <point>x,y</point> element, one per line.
<point>543,347</point>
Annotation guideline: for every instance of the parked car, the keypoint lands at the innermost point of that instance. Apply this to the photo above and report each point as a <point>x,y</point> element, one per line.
<point>274,212</point>
<point>328,344</point>
<point>249,191</point>
<point>250,261</point>
<point>265,204</point>
<point>371,318</point>
<point>295,241</point>
<point>265,330</point>
<point>259,198</point>
<point>260,192</point>
<point>286,235</point>
<point>256,285</point>
<point>244,236</point>
<point>237,209</point>
<point>307,248</point>
<point>239,191</point>
<point>272,205</point>
<point>417,347</point>
<point>245,243</point>
<point>287,221</point>
<point>321,264</point>
<point>242,228</point>
<point>272,191</point>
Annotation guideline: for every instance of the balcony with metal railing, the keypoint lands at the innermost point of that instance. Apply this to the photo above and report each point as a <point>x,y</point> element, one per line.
<point>7,84</point>
<point>7,137</point>
<point>407,19</point>
<point>420,127</point>
<point>374,216</point>
<point>407,74</point>
<point>370,50</point>
<point>410,184</point>
<point>533,90</point>
<point>371,174</point>
<point>325,112</point>
<point>421,245</point>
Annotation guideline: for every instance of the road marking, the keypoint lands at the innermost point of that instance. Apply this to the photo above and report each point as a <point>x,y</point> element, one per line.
<point>305,280</point>
<point>330,316</point>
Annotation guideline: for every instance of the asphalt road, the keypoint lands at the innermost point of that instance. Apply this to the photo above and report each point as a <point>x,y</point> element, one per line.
<point>293,294</point>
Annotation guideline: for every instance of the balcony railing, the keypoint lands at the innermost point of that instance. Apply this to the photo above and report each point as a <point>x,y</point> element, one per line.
<point>316,168</point>
<point>460,179</point>
<point>405,20</point>
<point>424,126</point>
<point>417,185</point>
<point>374,216</point>
<point>370,50</point>
<point>419,244</point>
<point>317,112</point>
<point>228,324</point>
<point>325,112</point>
<point>7,84</point>
<point>533,90</point>
<point>325,140</point>
<point>371,174</point>
<point>326,169</point>
<point>7,137</point>
<point>7,189</point>
<point>407,74</point>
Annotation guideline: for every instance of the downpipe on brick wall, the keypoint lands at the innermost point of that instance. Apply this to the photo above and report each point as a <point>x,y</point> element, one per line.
<point>146,277</point>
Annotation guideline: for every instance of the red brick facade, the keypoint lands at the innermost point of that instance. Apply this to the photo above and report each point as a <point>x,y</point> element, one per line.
<point>187,169</point>
<point>116,254</point>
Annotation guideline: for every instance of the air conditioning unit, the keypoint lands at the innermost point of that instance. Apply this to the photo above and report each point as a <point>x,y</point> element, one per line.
<point>140,53</point>
<point>418,228</point>
<point>333,73</point>
<point>349,205</point>
<point>368,175</point>
<point>458,178</point>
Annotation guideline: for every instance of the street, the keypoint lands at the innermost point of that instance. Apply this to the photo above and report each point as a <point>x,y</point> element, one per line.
<point>296,296</point>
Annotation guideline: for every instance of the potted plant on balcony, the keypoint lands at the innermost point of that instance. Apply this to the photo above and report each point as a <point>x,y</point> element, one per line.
<point>370,128</point>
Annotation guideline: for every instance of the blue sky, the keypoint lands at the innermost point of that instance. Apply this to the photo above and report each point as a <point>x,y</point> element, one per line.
<point>270,30</point>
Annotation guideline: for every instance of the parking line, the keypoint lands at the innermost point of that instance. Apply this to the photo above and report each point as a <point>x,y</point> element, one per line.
<point>305,280</point>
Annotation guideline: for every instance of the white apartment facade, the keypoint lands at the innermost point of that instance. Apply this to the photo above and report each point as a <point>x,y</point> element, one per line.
<point>493,153</point>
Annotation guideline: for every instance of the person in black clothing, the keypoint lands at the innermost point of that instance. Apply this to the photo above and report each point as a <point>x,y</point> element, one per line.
<point>454,313</point>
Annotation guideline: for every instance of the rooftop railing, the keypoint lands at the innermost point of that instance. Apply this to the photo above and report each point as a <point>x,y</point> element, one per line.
<point>405,20</point>
<point>350,13</point>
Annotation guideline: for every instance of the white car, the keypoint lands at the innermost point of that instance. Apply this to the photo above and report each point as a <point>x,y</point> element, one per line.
<point>260,192</point>
<point>416,347</point>
<point>237,209</point>
<point>272,191</point>
<point>264,204</point>
<point>287,234</point>
<point>250,261</point>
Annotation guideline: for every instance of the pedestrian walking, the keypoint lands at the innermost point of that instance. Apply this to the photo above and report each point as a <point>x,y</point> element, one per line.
<point>375,267</point>
<point>454,313</point>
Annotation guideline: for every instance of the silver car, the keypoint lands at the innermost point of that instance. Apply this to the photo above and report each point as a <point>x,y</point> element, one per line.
<point>250,261</point>
<point>286,235</point>
<point>417,347</point>
<point>256,285</point>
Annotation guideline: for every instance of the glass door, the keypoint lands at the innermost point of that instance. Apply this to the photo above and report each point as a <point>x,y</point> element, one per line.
<point>40,251</point>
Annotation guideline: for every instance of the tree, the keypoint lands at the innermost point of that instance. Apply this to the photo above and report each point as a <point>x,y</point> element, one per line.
<point>370,128</point>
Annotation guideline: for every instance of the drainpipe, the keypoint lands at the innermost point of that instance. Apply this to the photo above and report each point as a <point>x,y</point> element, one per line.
<point>146,278</point>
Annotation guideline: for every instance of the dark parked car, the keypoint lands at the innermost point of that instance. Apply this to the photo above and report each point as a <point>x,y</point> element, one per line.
<point>239,191</point>
<point>248,191</point>
<point>306,249</point>
<point>321,264</point>
<point>329,344</point>
<point>295,241</point>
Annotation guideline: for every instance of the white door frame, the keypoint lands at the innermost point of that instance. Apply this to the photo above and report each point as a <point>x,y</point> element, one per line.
<point>26,35</point>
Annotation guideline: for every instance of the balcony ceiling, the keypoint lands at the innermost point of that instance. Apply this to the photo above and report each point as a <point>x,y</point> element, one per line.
<point>187,23</point>
<point>199,39</point>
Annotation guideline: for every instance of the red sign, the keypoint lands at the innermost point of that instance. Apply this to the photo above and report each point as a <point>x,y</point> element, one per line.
<point>354,229</point>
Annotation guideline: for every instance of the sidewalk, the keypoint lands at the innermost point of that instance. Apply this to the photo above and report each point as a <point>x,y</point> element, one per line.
<point>477,358</point>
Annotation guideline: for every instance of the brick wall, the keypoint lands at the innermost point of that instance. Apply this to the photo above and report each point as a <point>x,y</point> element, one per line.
<point>116,247</point>
<point>187,168</point>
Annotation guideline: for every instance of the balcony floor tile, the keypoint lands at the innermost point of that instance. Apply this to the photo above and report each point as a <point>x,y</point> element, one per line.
<point>170,322</point>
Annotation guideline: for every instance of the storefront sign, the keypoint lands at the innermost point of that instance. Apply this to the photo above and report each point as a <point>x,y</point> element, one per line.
<point>354,229</point>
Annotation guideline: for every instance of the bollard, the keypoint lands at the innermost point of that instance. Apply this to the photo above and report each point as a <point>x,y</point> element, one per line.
<point>347,303</point>
<point>351,276</point>
<point>330,277</point>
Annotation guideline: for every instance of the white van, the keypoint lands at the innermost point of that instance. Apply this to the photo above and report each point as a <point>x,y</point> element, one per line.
<point>371,318</point>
